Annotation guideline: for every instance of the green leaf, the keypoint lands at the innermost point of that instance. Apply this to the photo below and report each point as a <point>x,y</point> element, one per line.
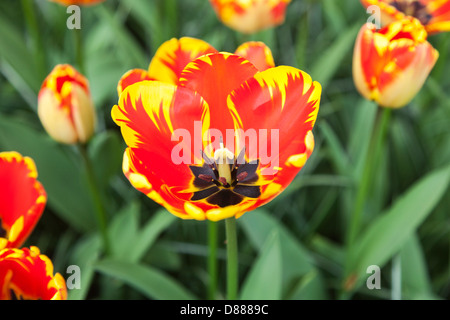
<point>124,230</point>
<point>127,45</point>
<point>258,224</point>
<point>131,242</point>
<point>363,123</point>
<point>310,287</point>
<point>149,17</point>
<point>84,254</point>
<point>151,282</point>
<point>19,84</point>
<point>15,52</point>
<point>296,260</point>
<point>415,280</point>
<point>333,253</point>
<point>264,281</point>
<point>329,61</point>
<point>388,233</point>
<point>147,236</point>
<point>106,152</point>
<point>334,14</point>
<point>336,151</point>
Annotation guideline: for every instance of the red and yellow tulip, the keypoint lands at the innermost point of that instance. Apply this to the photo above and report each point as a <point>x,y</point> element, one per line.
<point>22,198</point>
<point>390,65</point>
<point>433,14</point>
<point>199,146</point>
<point>65,107</point>
<point>24,273</point>
<point>173,55</point>
<point>250,16</point>
<point>27,274</point>
<point>78,2</point>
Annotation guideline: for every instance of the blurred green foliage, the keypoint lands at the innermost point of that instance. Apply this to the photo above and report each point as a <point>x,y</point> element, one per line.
<point>294,247</point>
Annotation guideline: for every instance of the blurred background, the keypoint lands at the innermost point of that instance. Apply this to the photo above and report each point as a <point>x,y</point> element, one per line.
<point>292,248</point>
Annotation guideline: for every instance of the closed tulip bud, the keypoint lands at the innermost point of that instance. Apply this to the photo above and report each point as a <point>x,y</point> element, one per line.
<point>250,16</point>
<point>390,65</point>
<point>65,107</point>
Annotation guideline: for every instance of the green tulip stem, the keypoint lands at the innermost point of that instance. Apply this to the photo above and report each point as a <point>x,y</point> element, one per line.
<point>212,259</point>
<point>96,198</point>
<point>232,258</point>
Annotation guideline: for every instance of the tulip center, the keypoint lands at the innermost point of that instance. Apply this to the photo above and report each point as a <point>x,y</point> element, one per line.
<point>413,8</point>
<point>225,180</point>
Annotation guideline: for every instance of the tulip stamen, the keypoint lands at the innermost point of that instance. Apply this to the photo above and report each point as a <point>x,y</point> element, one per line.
<point>205,177</point>
<point>242,176</point>
<point>225,180</point>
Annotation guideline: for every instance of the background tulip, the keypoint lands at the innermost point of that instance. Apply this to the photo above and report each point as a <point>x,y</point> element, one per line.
<point>250,16</point>
<point>391,65</point>
<point>433,14</point>
<point>27,274</point>
<point>65,107</point>
<point>22,198</point>
<point>78,2</point>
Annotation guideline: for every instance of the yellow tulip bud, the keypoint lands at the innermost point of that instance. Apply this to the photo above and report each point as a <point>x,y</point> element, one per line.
<point>65,107</point>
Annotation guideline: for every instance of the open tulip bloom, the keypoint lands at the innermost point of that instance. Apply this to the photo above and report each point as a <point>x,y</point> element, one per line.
<point>433,14</point>
<point>390,65</point>
<point>221,139</point>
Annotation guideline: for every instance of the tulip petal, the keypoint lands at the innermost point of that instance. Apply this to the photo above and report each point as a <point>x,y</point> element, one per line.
<point>257,53</point>
<point>173,55</point>
<point>410,64</point>
<point>83,117</point>
<point>281,105</point>
<point>58,124</point>
<point>157,120</point>
<point>214,76</point>
<point>22,198</point>
<point>27,274</point>
<point>130,77</point>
